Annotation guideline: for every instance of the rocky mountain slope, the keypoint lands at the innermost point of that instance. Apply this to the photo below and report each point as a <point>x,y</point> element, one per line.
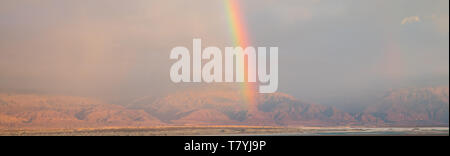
<point>23,111</point>
<point>229,107</point>
<point>403,107</point>
<point>413,106</point>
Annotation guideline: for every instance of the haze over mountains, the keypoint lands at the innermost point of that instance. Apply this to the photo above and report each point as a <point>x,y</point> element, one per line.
<point>33,111</point>
<point>421,106</point>
<point>403,107</point>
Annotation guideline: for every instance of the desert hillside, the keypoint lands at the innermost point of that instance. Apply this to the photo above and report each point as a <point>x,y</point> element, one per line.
<point>403,107</point>
<point>228,107</point>
<point>412,106</point>
<point>35,111</point>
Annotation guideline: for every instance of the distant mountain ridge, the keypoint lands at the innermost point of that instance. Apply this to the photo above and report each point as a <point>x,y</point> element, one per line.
<point>413,106</point>
<point>403,107</point>
<point>34,111</point>
<point>423,107</point>
<point>273,109</point>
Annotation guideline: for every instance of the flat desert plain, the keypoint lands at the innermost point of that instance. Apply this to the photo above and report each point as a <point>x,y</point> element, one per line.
<point>232,131</point>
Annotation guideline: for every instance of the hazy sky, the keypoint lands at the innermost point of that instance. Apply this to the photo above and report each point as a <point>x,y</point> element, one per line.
<point>329,50</point>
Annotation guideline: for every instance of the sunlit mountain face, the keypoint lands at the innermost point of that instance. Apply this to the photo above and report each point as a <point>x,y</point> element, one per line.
<point>228,107</point>
<point>404,107</point>
<point>48,112</point>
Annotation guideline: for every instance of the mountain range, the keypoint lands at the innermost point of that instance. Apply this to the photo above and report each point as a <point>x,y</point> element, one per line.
<point>413,106</point>
<point>403,107</point>
<point>33,111</point>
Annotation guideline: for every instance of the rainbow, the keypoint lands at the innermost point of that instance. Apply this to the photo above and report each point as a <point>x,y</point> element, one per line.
<point>240,39</point>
